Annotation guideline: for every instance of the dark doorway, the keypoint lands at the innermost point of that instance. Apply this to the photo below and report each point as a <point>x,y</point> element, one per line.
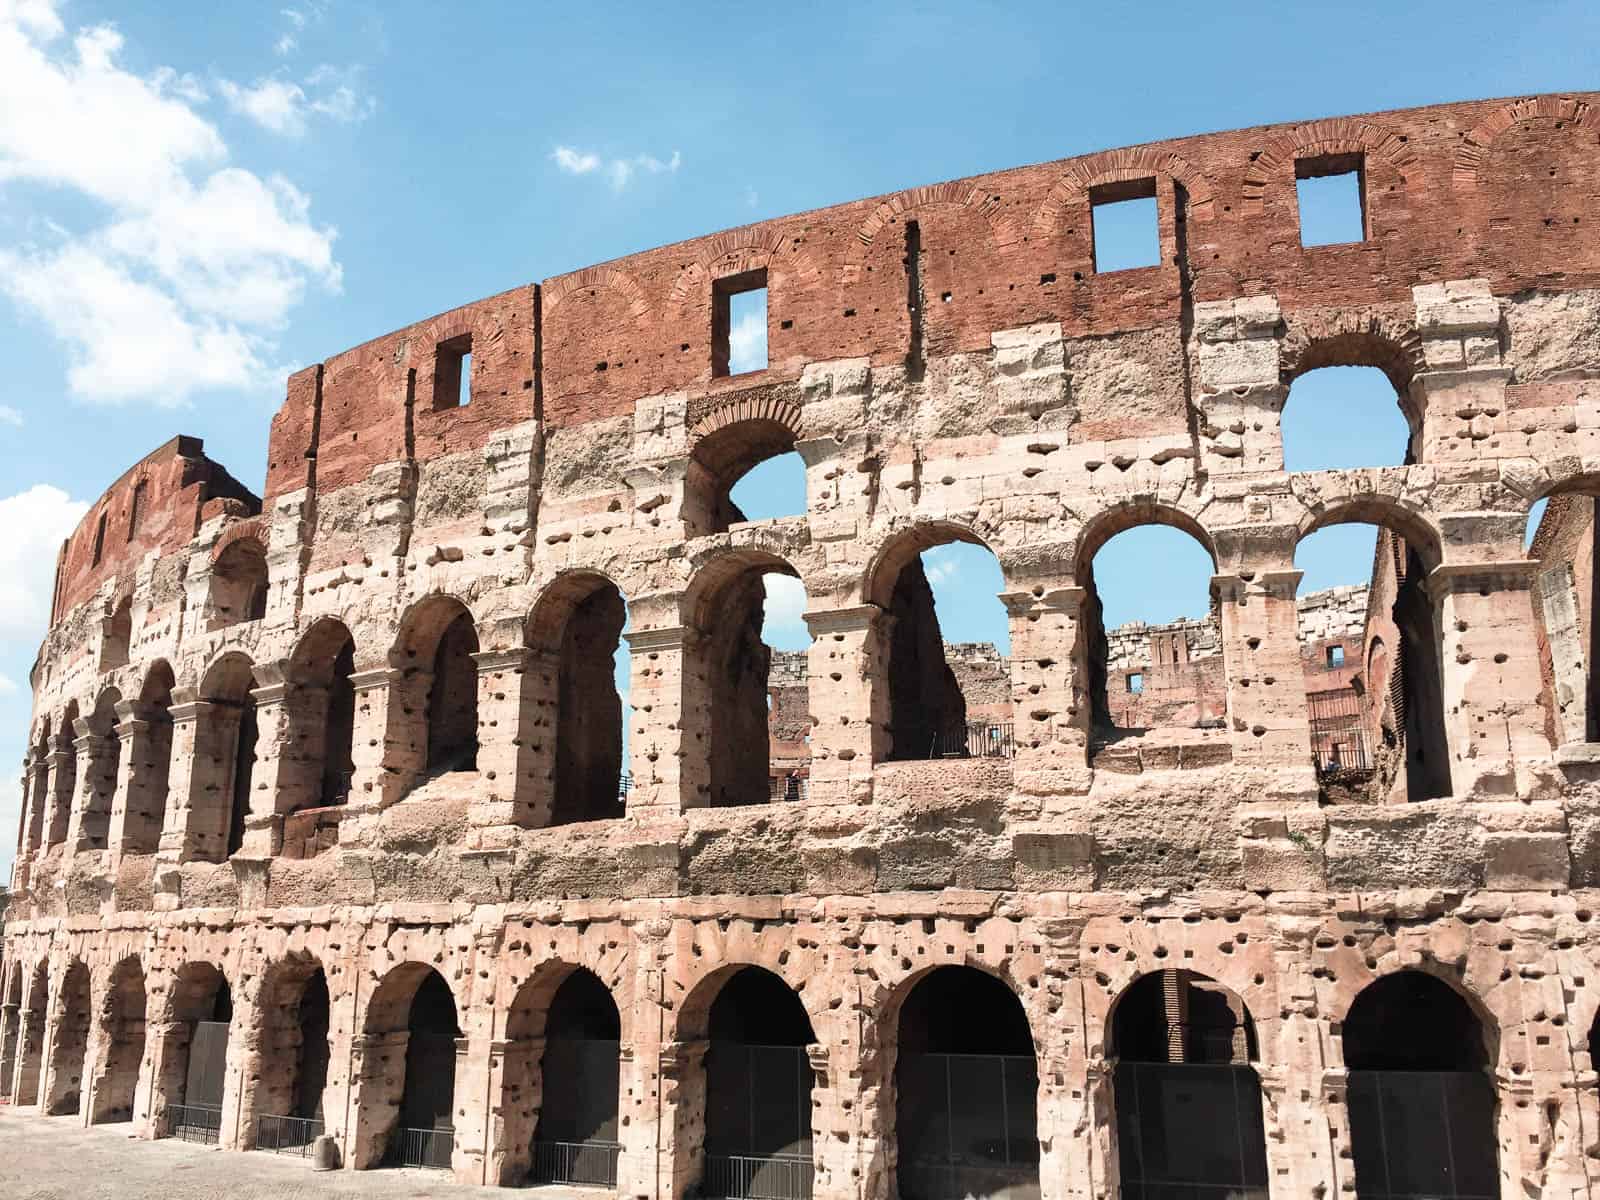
<point>758,1091</point>
<point>577,1140</point>
<point>244,766</point>
<point>70,1052</point>
<point>338,764</point>
<point>115,1089</point>
<point>426,1134</point>
<point>588,742</point>
<point>966,1088</point>
<point>204,1011</point>
<point>1421,1103</point>
<point>1188,1102</point>
<point>453,699</point>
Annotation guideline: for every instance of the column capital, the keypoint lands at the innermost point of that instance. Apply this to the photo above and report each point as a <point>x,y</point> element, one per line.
<point>1068,600</point>
<point>1506,575</point>
<point>856,619</point>
<point>376,679</point>
<point>271,693</point>
<point>515,658</point>
<point>671,637</point>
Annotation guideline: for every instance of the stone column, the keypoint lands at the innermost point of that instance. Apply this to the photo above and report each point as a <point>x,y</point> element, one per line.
<point>516,1092</point>
<point>469,1121</point>
<point>1457,400</point>
<point>144,734</point>
<point>683,1117</point>
<point>10,1018</point>
<point>1050,708</point>
<point>668,754</point>
<point>166,1066</point>
<point>1267,715</point>
<point>146,1109</point>
<point>200,799</point>
<point>1489,659</point>
<point>278,781</point>
<point>1301,1117</point>
<point>38,802</point>
<point>63,786</point>
<point>377,1072</point>
<point>30,1050</point>
<point>1238,390</point>
<point>89,826</point>
<point>516,742</point>
<point>848,691</point>
<point>389,749</point>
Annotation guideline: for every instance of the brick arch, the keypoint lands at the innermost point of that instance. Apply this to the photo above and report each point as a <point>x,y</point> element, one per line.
<point>546,621</point>
<point>1117,166</point>
<point>701,598</point>
<point>1342,135</point>
<point>1002,228</point>
<point>1474,149</point>
<point>253,529</point>
<point>736,252</point>
<point>593,279</point>
<point>451,325</point>
<point>1371,497</point>
<point>1131,514</point>
<point>907,542</point>
<point>1385,338</point>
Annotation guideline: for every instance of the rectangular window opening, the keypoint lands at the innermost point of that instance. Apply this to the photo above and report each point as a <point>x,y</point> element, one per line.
<point>1126,230</point>
<point>452,373</point>
<point>1336,656</point>
<point>739,323</point>
<point>1135,682</point>
<point>136,507</point>
<point>1331,193</point>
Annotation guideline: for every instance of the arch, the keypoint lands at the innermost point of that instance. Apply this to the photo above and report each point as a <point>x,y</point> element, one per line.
<point>1420,1098</point>
<point>63,777</point>
<point>225,747</point>
<point>1477,143</point>
<point>1385,338</point>
<point>1130,514</point>
<point>737,252</point>
<point>1179,1037</point>
<point>198,1016</point>
<point>10,1020</point>
<point>966,1083</point>
<point>122,1019</point>
<point>321,718</point>
<point>294,1018</point>
<point>753,1100</point>
<point>69,1048</point>
<point>150,763</point>
<point>569,1133</point>
<point>406,1115</point>
<point>578,621</point>
<point>436,642</point>
<point>30,1036</point>
<point>597,278</point>
<point>945,195</point>
<point>1275,162</point>
<point>1388,511</point>
<point>726,442</point>
<point>239,583</point>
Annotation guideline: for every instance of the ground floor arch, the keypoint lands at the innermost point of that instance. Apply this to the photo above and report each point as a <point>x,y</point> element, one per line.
<point>295,1056</point>
<point>1189,1117</point>
<point>966,1089</point>
<point>194,1055</point>
<point>69,1043</point>
<point>30,1037</point>
<point>10,1019</point>
<point>1420,1098</point>
<point>407,1078</point>
<point>122,1019</point>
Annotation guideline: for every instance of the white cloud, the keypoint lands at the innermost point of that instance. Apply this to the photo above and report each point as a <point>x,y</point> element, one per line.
<point>10,416</point>
<point>747,343</point>
<point>940,568</point>
<point>620,171</point>
<point>294,16</point>
<point>7,686</point>
<point>191,263</point>
<point>285,45</point>
<point>282,107</point>
<point>784,625</point>
<point>33,525</point>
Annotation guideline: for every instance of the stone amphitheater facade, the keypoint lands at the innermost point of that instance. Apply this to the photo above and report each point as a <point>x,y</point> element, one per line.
<point>408,623</point>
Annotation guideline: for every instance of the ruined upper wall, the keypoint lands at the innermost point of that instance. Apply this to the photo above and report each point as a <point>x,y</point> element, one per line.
<point>157,505</point>
<point>1494,189</point>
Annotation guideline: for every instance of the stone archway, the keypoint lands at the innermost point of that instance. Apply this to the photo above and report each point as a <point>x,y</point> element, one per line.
<point>122,1017</point>
<point>69,1043</point>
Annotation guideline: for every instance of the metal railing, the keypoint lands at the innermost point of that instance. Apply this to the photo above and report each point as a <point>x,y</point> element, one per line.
<point>200,1123</point>
<point>429,1148</point>
<point>744,1177</point>
<point>957,1181</point>
<point>287,1135</point>
<point>582,1163</point>
<point>1338,739</point>
<point>788,787</point>
<point>624,785</point>
<point>975,739</point>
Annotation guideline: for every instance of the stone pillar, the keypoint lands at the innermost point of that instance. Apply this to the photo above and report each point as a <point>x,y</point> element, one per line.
<point>144,735</point>
<point>848,694</point>
<point>1304,1126</point>
<point>89,826</point>
<point>146,1106</point>
<point>668,754</point>
<point>163,1081</point>
<point>377,1072</point>
<point>1457,400</point>
<point>279,782</point>
<point>10,1019</point>
<point>1267,715</point>
<point>1489,659</point>
<point>1069,1166</point>
<point>1238,389</point>
<point>63,786</point>
<point>389,748</point>
<point>516,740</point>
<point>200,797</point>
<point>30,1050</point>
<point>683,1118</point>
<point>1050,709</point>
<point>470,1120</point>
<point>516,1093</point>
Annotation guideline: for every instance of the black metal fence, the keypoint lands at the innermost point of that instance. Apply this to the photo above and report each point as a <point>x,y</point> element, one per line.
<point>287,1135</point>
<point>429,1148</point>
<point>1186,1130</point>
<point>743,1177</point>
<point>975,739</point>
<point>587,1164</point>
<point>200,1123</point>
<point>1423,1135</point>
<point>624,785</point>
<point>788,787</point>
<point>1338,737</point>
<point>967,1124</point>
<point>957,1181</point>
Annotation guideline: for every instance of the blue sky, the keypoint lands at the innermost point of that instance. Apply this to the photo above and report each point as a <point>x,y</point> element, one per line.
<point>196,199</point>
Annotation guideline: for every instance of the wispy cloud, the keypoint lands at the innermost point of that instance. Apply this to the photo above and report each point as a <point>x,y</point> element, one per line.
<point>619,171</point>
<point>10,416</point>
<point>284,107</point>
<point>7,686</point>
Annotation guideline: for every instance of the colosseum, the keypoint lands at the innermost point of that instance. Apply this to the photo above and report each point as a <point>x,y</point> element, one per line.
<point>338,833</point>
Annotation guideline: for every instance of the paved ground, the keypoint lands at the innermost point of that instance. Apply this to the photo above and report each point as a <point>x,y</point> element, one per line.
<point>55,1158</point>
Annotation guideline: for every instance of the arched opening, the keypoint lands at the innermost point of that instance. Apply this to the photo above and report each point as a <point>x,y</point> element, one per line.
<point>1188,1102</point>
<point>30,1037</point>
<point>322,723</point>
<point>118,636</point>
<point>948,647</point>
<point>758,1091</point>
<point>70,1047</point>
<point>101,752</point>
<point>295,1057</point>
<point>1155,666</point>
<point>744,469</point>
<point>1343,418</point>
<point>123,1023</point>
<point>437,642</point>
<point>577,1132</point>
<point>579,621</point>
<point>1564,537</point>
<point>39,803</point>
<point>409,1112</point>
<point>150,763</point>
<point>63,777</point>
<point>744,603</point>
<point>10,1020</point>
<point>1420,1099</point>
<point>238,584</point>
<point>1377,719</point>
<point>966,1090</point>
<point>226,737</point>
<point>194,1064</point>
